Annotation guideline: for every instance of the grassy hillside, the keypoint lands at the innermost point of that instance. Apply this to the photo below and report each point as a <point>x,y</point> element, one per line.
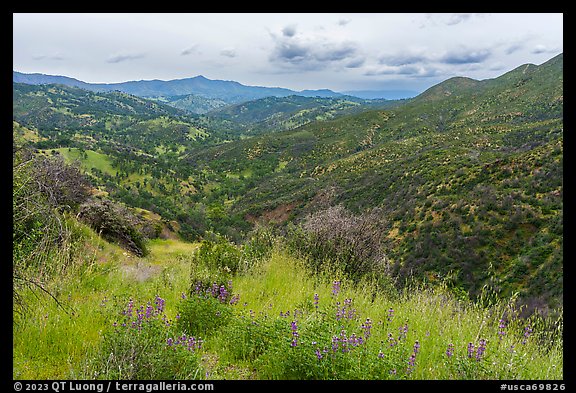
<point>277,322</point>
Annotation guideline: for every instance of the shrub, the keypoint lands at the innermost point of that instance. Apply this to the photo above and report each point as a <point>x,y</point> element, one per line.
<point>115,223</point>
<point>354,243</point>
<point>145,345</point>
<point>201,314</point>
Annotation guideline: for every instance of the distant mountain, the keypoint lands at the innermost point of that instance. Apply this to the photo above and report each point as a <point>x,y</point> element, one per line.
<point>285,113</point>
<point>42,79</point>
<point>229,92</point>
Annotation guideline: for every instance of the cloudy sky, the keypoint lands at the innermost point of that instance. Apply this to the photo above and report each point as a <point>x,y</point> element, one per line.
<point>357,51</point>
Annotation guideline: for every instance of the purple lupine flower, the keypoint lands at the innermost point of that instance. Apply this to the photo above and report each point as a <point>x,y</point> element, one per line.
<point>344,341</point>
<point>335,287</point>
<point>481,349</point>
<point>416,347</point>
<point>390,314</point>
<point>381,354</point>
<point>335,343</point>
<point>367,326</point>
<point>501,327</point>
<point>318,354</point>
<point>223,294</point>
<point>183,296</point>
<point>128,310</point>
<point>316,298</point>
<point>294,328</point>
<point>159,302</point>
<point>411,363</point>
<point>470,350</point>
<point>403,331</point>
<point>450,350</point>
<point>527,333</point>
<point>235,299</point>
<point>391,340</point>
<point>149,311</point>
<point>339,311</point>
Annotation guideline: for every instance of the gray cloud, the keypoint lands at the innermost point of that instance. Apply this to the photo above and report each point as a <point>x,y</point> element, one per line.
<point>400,59</point>
<point>516,46</point>
<point>356,62</point>
<point>190,50</point>
<point>458,18</point>
<point>125,57</point>
<point>414,71</point>
<point>465,56</point>
<point>57,57</point>
<point>343,22</point>
<point>292,50</point>
<point>228,52</point>
<point>538,49</point>
<point>289,31</point>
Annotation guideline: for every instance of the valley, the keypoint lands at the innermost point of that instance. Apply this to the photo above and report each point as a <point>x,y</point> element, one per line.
<point>457,192</point>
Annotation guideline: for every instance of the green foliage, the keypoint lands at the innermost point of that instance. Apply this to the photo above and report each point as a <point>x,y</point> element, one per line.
<point>115,223</point>
<point>202,313</point>
<point>143,345</point>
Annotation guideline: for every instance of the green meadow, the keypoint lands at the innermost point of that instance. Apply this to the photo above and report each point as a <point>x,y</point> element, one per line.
<point>266,317</point>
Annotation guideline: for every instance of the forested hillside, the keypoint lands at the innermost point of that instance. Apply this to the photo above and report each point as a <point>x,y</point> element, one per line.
<point>465,181</point>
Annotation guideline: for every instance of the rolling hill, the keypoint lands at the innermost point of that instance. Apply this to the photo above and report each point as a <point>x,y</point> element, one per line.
<point>466,178</point>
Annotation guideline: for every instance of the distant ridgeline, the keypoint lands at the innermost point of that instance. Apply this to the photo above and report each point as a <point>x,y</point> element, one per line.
<point>466,178</point>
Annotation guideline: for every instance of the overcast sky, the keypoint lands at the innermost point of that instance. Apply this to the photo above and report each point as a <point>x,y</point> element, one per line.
<point>299,51</point>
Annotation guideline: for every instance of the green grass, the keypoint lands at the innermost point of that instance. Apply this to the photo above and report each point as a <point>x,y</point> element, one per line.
<point>51,342</point>
<point>91,160</point>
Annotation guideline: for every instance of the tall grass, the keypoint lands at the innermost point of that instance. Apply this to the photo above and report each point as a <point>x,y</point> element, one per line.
<point>279,321</point>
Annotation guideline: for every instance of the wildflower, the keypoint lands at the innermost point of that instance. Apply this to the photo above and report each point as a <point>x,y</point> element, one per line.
<point>234,299</point>
<point>481,349</point>
<point>450,350</point>
<point>411,363</point>
<point>335,341</point>
<point>501,327</point>
<point>403,331</point>
<point>367,326</point>
<point>223,294</point>
<point>527,333</point>
<point>390,314</point>
<point>316,298</point>
<point>149,311</point>
<point>470,350</point>
<point>294,328</point>
<point>381,354</point>
<point>318,354</point>
<point>335,288</point>
<point>183,296</point>
<point>159,303</point>
<point>416,347</point>
<point>391,340</point>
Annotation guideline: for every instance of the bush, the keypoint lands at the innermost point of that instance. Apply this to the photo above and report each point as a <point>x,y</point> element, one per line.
<point>353,243</point>
<point>115,223</point>
<point>201,314</point>
<point>145,346</point>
